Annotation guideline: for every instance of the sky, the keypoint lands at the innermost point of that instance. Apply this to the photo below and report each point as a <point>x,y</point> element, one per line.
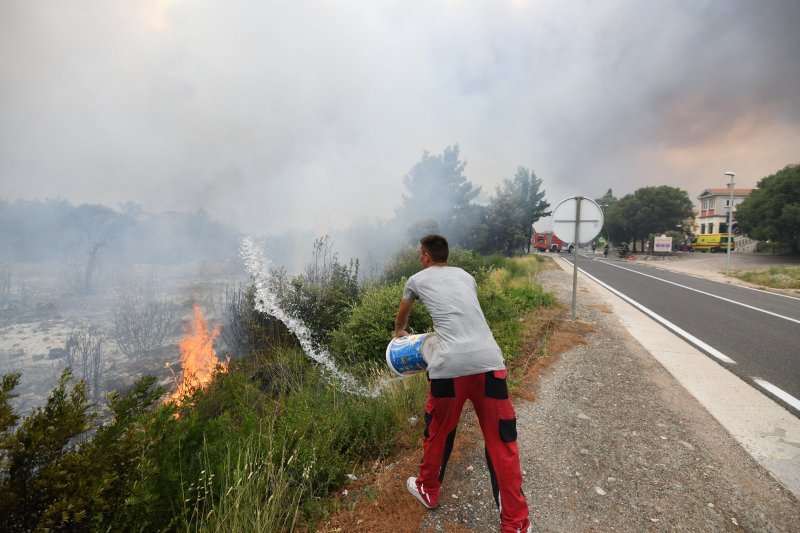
<point>308,113</point>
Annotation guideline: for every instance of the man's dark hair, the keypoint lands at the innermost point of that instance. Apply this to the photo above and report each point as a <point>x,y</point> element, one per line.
<point>436,245</point>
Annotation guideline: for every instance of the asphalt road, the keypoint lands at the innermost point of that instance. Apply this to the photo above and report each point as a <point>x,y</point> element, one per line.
<point>755,334</point>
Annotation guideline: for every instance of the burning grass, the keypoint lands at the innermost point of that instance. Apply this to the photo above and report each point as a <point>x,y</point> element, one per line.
<point>199,361</point>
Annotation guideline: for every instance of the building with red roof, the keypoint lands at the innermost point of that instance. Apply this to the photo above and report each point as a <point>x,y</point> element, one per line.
<point>712,210</point>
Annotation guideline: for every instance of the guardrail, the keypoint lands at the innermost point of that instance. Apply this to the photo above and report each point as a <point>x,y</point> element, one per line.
<point>744,245</point>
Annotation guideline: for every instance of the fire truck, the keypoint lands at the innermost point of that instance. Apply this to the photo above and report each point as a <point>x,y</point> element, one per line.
<point>547,241</point>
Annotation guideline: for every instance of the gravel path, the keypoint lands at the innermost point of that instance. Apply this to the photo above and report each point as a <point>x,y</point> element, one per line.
<point>613,442</point>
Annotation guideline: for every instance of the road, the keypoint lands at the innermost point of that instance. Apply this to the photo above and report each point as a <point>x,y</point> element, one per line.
<point>755,334</point>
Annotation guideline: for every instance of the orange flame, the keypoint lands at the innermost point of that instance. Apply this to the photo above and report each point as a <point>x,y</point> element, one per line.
<point>198,358</point>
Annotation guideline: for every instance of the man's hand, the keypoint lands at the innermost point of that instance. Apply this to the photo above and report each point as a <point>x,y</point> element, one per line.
<point>402,333</point>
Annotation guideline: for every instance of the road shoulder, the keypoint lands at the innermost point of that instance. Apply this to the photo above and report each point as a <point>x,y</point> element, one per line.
<point>764,428</point>
<point>612,440</point>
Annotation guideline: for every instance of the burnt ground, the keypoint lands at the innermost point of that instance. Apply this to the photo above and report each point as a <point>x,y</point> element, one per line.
<point>608,441</point>
<point>39,313</point>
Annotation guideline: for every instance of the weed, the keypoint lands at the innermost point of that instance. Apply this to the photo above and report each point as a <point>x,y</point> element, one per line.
<point>777,277</point>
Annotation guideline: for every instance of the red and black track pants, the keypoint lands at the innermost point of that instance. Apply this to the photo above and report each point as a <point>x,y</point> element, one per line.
<point>488,393</point>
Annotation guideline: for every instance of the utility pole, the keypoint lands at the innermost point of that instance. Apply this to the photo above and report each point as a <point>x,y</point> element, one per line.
<point>730,222</point>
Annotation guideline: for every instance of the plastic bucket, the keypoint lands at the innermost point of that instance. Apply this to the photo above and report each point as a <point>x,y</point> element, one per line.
<point>411,354</point>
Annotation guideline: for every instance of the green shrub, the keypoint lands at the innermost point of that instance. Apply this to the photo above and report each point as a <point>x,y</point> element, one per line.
<point>527,297</point>
<point>277,477</point>
<point>406,263</point>
<point>321,296</point>
<point>38,476</point>
<point>504,300</point>
<point>364,335</point>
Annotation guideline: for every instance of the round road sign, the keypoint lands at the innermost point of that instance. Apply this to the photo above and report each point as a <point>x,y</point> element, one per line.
<point>565,219</point>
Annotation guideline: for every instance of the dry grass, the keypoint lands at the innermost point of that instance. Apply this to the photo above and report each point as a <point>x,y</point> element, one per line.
<point>549,334</point>
<point>778,277</point>
<point>379,501</point>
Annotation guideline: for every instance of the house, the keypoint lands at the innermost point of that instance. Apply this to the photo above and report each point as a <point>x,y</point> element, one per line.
<point>712,213</point>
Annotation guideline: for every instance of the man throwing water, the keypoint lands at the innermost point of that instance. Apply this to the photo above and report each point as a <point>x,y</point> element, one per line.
<point>467,365</point>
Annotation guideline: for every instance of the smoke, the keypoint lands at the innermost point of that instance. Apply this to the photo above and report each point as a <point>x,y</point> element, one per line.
<point>308,114</point>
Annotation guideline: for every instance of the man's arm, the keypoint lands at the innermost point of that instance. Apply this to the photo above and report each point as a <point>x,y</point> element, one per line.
<point>401,319</point>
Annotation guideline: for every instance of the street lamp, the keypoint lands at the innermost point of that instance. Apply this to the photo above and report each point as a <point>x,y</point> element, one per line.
<point>730,222</point>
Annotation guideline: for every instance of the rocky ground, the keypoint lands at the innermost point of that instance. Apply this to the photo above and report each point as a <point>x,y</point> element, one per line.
<point>609,441</point>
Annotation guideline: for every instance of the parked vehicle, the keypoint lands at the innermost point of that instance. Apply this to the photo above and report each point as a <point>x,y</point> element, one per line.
<point>712,242</point>
<point>547,241</point>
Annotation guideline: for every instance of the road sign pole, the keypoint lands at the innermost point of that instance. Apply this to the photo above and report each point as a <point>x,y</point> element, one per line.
<point>575,243</point>
<point>567,225</point>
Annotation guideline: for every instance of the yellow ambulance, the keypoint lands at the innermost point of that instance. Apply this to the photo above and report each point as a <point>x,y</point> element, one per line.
<point>712,242</point>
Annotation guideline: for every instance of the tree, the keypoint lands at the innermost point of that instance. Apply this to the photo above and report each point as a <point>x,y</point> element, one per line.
<point>439,190</point>
<point>419,228</point>
<point>772,211</point>
<point>649,210</point>
<point>661,209</point>
<point>619,219</point>
<point>533,202</point>
<point>99,226</point>
<point>516,206</point>
<point>605,202</point>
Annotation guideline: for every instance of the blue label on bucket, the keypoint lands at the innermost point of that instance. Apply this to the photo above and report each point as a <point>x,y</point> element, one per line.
<point>404,354</point>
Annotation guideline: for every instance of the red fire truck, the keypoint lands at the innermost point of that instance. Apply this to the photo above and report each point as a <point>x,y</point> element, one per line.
<point>548,241</point>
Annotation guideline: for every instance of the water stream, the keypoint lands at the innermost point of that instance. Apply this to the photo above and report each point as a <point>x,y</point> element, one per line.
<point>259,267</point>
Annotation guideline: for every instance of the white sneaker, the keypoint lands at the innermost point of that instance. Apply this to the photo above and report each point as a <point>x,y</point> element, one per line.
<point>420,494</point>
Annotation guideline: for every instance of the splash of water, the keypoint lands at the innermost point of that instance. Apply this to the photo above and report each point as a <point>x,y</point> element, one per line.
<point>258,265</point>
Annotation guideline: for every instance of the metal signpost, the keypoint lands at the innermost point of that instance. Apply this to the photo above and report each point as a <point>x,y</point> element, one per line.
<point>577,219</point>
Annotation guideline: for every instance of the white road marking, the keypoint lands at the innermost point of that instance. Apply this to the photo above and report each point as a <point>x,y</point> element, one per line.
<point>780,393</point>
<point>708,294</point>
<point>763,291</point>
<point>772,293</point>
<point>666,323</point>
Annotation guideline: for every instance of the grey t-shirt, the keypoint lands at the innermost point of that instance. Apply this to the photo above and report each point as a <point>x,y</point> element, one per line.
<point>466,344</point>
